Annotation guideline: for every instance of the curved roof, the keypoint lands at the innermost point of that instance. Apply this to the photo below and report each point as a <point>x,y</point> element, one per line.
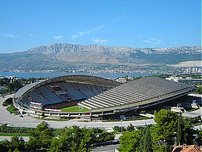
<point>136,93</point>
<point>86,79</point>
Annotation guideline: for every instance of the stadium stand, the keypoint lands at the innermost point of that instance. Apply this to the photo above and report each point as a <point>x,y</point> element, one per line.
<point>136,93</point>
<point>61,91</point>
<point>100,96</point>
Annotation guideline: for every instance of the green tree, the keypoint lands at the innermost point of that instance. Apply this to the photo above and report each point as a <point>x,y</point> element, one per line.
<point>76,139</point>
<point>187,131</point>
<point>14,85</point>
<point>179,130</point>
<point>118,129</point>
<point>54,145</point>
<point>163,133</point>
<point>104,136</point>
<point>71,139</point>
<point>130,127</point>
<point>199,137</point>
<point>146,141</point>
<point>168,126</point>
<point>18,143</point>
<point>129,141</point>
<point>199,90</point>
<point>41,136</point>
<point>3,146</point>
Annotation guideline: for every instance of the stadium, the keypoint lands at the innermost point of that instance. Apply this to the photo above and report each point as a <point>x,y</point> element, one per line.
<point>81,96</point>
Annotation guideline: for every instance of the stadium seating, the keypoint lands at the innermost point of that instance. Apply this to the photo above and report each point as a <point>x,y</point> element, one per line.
<point>68,91</point>
<point>140,91</point>
<point>58,93</point>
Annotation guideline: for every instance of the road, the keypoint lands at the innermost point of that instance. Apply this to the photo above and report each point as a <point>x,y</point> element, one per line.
<point>195,113</point>
<point>15,120</point>
<point>2,138</point>
<point>108,148</point>
<point>27,121</point>
<point>199,127</point>
<point>192,114</point>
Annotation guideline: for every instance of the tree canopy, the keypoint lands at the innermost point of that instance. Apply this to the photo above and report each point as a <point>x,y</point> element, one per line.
<point>169,129</point>
<point>129,141</point>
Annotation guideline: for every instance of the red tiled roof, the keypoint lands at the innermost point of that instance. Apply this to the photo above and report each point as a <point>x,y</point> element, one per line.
<point>187,148</point>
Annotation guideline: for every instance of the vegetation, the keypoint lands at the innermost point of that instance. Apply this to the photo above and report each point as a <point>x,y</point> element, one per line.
<point>130,141</point>
<point>75,109</point>
<point>16,144</point>
<point>11,85</point>
<point>199,137</point>
<point>199,90</point>
<point>14,130</point>
<point>118,129</point>
<point>12,109</point>
<point>40,138</point>
<point>164,130</point>
<point>146,141</point>
<point>7,102</point>
<point>43,138</point>
<point>179,130</point>
<point>170,129</point>
<point>193,76</point>
<point>79,139</point>
<point>130,127</point>
<point>13,134</point>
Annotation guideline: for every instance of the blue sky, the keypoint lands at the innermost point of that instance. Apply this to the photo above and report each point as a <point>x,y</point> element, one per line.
<point>26,24</point>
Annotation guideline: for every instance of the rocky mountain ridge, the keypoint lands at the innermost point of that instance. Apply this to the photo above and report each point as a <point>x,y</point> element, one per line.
<point>64,47</point>
<point>63,55</point>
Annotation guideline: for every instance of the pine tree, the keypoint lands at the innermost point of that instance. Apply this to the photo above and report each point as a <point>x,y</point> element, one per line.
<point>179,130</point>
<point>146,141</point>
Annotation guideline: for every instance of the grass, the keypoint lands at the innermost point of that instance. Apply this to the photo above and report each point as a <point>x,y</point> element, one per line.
<point>14,134</point>
<point>12,109</point>
<point>74,109</point>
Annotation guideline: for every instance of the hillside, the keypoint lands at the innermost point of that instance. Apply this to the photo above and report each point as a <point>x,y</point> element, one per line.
<point>62,55</point>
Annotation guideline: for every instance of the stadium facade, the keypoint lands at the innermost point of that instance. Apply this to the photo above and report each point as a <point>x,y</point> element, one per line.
<point>98,95</point>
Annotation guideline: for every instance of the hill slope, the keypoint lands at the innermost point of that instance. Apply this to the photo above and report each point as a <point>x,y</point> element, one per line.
<point>62,55</point>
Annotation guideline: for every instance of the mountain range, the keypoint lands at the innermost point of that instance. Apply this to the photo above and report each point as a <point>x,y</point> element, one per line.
<point>63,55</point>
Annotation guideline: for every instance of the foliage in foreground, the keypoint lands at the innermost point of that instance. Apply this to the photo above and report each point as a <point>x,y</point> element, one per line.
<point>7,129</point>
<point>72,139</point>
<point>130,141</point>
<point>170,129</point>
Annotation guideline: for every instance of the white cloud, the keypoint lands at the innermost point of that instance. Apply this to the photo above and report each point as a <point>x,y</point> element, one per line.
<point>153,41</point>
<point>89,31</point>
<point>99,41</point>
<point>10,36</point>
<point>58,37</point>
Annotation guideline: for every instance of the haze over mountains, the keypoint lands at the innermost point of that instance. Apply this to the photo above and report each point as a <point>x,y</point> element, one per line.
<point>62,55</point>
